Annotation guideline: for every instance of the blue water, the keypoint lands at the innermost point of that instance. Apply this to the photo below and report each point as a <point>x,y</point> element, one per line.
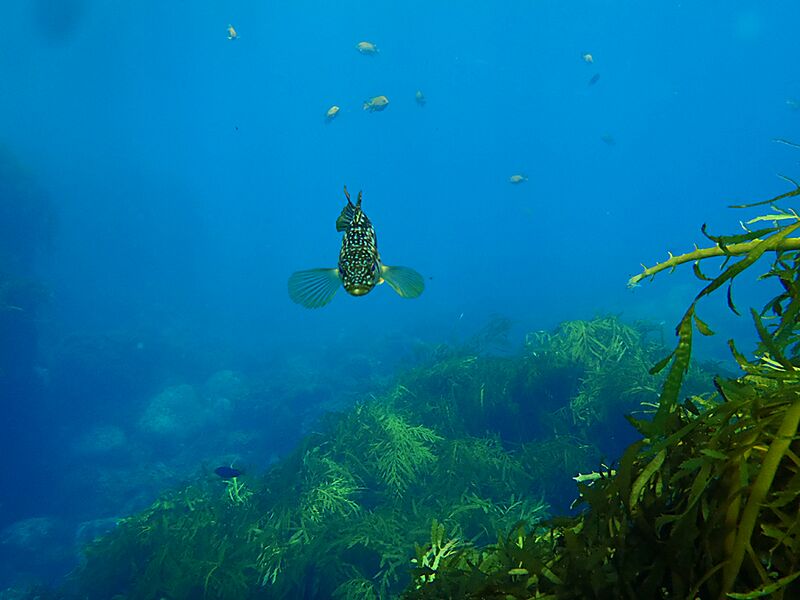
<point>170,180</point>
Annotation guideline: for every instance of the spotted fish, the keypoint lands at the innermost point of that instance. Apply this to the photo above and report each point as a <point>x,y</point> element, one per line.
<point>360,268</point>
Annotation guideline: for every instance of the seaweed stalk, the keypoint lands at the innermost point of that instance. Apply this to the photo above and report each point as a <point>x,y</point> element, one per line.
<point>734,245</point>
<point>777,449</point>
<point>784,245</point>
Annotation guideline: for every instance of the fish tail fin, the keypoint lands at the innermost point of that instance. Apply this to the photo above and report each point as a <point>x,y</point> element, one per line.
<point>406,282</point>
<point>314,288</point>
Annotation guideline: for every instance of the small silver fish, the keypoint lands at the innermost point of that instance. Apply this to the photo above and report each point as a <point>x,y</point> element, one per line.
<point>376,104</point>
<point>367,48</point>
<point>360,268</point>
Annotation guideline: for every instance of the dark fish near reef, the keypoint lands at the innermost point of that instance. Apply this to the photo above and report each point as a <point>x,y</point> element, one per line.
<point>595,78</point>
<point>360,268</point>
<point>227,472</point>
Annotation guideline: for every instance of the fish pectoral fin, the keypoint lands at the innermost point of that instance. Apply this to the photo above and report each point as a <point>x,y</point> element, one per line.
<point>406,282</point>
<point>314,288</point>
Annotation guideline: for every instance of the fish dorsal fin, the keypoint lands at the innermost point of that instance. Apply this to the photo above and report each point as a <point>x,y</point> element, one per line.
<point>406,282</point>
<point>346,217</point>
<point>348,212</point>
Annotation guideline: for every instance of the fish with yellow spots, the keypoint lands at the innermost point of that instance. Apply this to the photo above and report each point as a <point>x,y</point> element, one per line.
<point>360,268</point>
<point>232,33</point>
<point>376,104</point>
<point>367,48</point>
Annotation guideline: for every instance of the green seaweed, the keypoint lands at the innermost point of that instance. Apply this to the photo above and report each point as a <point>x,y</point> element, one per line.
<point>401,450</point>
<point>180,547</point>
<point>454,466</point>
<point>465,441</point>
<point>706,504</point>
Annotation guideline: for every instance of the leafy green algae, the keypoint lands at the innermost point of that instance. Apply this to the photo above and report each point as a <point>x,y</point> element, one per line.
<point>707,503</point>
<point>182,546</point>
<point>461,454</point>
<point>471,442</point>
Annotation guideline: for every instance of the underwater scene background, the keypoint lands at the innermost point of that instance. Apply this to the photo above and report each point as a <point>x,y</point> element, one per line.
<point>166,166</point>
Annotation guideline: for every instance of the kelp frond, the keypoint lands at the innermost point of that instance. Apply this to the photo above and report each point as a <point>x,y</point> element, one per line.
<point>773,410</point>
<point>749,247</point>
<point>736,245</point>
<point>440,553</point>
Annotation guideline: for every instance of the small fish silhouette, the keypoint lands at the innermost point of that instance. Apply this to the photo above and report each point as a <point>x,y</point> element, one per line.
<point>331,113</point>
<point>225,472</point>
<point>367,48</point>
<point>608,139</point>
<point>595,78</point>
<point>377,103</point>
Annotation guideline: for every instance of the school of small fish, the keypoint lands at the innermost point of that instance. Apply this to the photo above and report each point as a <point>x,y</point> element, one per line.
<point>360,268</point>
<point>381,102</point>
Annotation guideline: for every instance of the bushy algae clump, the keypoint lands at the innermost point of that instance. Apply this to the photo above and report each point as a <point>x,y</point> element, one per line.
<point>337,518</point>
<point>463,454</point>
<point>707,503</point>
<point>472,442</point>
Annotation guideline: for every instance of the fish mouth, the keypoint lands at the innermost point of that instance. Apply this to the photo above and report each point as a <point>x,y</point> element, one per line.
<point>358,291</point>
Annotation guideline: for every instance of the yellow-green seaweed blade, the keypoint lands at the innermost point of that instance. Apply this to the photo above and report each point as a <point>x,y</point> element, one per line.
<point>406,282</point>
<point>314,288</point>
